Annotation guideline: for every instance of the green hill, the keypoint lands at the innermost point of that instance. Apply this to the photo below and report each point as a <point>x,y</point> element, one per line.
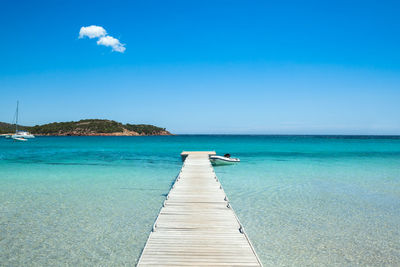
<point>88,127</point>
<point>10,128</point>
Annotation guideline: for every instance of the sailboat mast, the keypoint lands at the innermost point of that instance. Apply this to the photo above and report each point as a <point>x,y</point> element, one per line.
<point>16,119</point>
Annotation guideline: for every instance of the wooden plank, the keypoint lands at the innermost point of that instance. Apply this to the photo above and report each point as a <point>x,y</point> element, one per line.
<point>196,225</point>
<point>184,154</point>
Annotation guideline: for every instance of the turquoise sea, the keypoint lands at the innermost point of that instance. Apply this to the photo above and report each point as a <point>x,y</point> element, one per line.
<point>303,200</point>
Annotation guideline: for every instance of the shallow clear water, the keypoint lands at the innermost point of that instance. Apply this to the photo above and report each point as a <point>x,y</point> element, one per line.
<point>303,200</point>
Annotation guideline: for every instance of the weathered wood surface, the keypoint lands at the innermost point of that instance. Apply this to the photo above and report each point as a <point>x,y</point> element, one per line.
<point>196,225</point>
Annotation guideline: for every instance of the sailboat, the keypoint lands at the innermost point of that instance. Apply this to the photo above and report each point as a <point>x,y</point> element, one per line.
<point>20,135</point>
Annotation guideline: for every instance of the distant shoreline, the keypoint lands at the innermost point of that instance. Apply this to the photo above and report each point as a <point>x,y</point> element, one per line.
<point>88,127</point>
<point>98,134</point>
<point>107,134</point>
<point>324,136</point>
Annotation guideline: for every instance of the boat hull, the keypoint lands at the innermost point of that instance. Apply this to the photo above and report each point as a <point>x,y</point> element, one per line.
<point>19,139</point>
<point>218,160</point>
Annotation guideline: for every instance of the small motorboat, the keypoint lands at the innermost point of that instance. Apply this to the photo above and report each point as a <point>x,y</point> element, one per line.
<point>223,160</point>
<point>19,139</point>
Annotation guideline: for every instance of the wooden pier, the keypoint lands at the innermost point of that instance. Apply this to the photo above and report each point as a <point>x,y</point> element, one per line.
<point>196,225</point>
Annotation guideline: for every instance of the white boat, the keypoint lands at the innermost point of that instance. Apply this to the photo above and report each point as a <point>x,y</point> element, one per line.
<point>19,139</point>
<point>220,160</point>
<point>20,134</point>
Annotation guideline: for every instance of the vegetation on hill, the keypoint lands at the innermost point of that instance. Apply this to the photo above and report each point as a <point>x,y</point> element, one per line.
<point>82,126</point>
<point>88,127</point>
<point>144,129</point>
<point>10,128</point>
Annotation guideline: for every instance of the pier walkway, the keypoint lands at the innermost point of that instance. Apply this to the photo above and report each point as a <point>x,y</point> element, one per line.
<point>196,225</point>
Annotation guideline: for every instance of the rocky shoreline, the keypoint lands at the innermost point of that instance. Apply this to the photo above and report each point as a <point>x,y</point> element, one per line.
<point>166,133</point>
<point>123,133</point>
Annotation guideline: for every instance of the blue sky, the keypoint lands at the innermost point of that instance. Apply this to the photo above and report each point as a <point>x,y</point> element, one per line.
<point>285,67</point>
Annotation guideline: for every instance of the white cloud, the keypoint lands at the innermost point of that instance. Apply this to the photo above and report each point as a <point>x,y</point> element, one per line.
<point>104,39</point>
<point>92,32</point>
<point>113,42</point>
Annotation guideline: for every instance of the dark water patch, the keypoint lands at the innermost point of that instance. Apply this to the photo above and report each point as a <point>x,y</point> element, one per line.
<point>328,154</point>
<point>104,159</point>
<point>389,137</point>
<point>38,162</point>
